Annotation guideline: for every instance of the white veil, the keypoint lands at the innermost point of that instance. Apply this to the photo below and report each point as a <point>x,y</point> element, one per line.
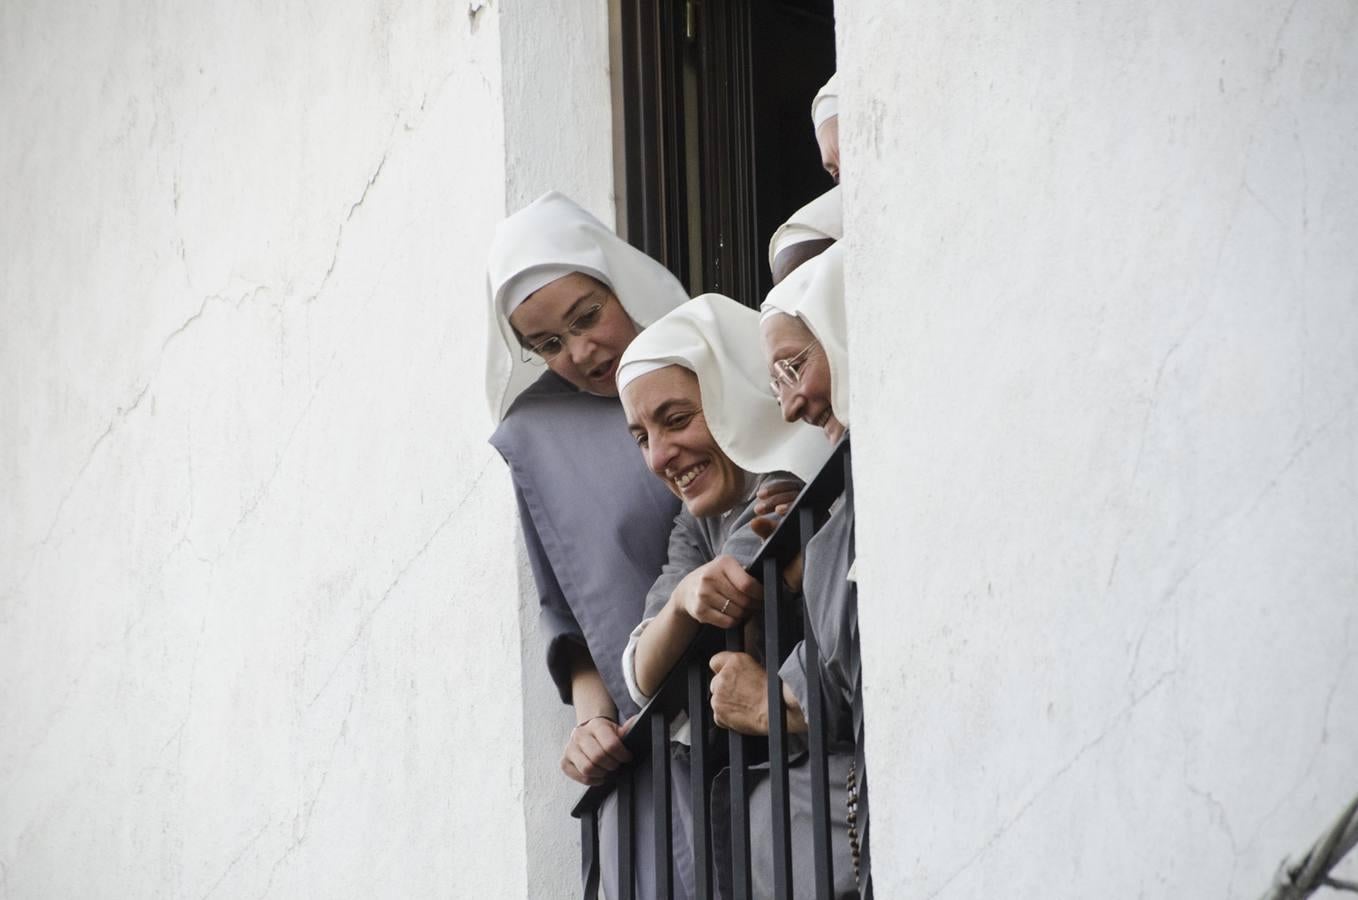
<point>551,237</point>
<point>717,339</point>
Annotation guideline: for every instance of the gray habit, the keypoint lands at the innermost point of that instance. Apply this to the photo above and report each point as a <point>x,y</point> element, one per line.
<point>595,520</point>
<point>596,523</point>
<point>832,604</point>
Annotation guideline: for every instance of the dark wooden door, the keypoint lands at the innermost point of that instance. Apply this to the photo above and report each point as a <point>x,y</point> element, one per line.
<point>718,146</point>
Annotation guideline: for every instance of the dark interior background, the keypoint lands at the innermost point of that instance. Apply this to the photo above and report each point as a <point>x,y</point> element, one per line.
<point>718,148</point>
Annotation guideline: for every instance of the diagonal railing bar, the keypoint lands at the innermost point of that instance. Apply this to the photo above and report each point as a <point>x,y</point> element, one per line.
<point>1296,881</point>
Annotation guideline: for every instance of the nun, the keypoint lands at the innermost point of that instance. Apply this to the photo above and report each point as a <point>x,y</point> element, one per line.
<point>567,298</point>
<point>805,339</point>
<point>807,234</point>
<point>697,402</point>
<point>825,119</point>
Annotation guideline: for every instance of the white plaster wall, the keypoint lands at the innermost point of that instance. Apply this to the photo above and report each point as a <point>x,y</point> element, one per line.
<point>558,124</point>
<point>259,618</point>
<point>1105,331</point>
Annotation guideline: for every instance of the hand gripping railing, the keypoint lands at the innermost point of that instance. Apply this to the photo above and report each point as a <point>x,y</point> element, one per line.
<point>686,689</point>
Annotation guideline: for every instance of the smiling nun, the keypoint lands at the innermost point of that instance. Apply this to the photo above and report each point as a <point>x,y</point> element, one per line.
<point>697,399</point>
<point>805,337</point>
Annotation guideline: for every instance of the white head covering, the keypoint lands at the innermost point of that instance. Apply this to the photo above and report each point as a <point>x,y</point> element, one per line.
<point>821,219</point>
<point>717,339</point>
<point>540,243</point>
<point>825,106</point>
<point>814,293</point>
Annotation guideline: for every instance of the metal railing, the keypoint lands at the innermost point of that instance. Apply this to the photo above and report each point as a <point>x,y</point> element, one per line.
<point>686,690</point>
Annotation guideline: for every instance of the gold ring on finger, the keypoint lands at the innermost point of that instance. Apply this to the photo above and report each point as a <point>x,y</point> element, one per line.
<point>725,606</point>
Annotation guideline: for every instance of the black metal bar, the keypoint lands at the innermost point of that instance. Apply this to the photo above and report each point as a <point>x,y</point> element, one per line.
<point>589,846</point>
<point>699,779</point>
<point>687,686</point>
<point>660,807</point>
<point>778,792</point>
<point>626,850</point>
<point>815,739</point>
<point>740,812</point>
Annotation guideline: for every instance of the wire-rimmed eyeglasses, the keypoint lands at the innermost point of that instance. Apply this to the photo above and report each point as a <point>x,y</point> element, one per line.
<point>788,372</point>
<point>548,348</point>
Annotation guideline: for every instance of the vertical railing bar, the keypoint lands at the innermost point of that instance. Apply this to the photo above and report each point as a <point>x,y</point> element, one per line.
<point>773,654</point>
<point>816,725</point>
<point>589,845</point>
<point>740,813</point>
<point>698,714</point>
<point>626,846</point>
<point>660,806</point>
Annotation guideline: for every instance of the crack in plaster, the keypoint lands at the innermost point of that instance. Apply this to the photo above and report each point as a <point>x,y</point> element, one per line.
<point>1278,40</point>
<point>178,732</point>
<point>1291,790</point>
<point>302,821</point>
<point>239,856</point>
<point>1334,688</point>
<point>1146,421</point>
<point>401,118</point>
<point>120,415</point>
<point>367,617</point>
<point>1277,219</point>
<point>279,456</point>
<point>1217,813</point>
<point>1113,724</point>
<point>1300,449</point>
<point>1230,521</point>
<point>353,208</point>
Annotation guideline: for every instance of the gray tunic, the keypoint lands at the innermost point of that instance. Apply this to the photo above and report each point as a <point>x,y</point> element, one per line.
<point>832,605</point>
<point>596,523</point>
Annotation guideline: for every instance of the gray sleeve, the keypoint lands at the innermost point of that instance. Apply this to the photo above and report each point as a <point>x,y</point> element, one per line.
<point>832,604</point>
<point>559,626</point>
<point>793,673</point>
<point>689,549</point>
<point>741,542</point>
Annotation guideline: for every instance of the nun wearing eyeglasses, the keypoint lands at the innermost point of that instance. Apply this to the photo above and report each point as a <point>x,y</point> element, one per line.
<point>697,401</point>
<point>567,298</point>
<point>805,338</point>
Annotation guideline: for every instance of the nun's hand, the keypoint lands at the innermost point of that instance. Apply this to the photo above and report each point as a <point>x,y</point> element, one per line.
<point>740,693</point>
<point>719,593</point>
<point>775,498</point>
<point>594,750</point>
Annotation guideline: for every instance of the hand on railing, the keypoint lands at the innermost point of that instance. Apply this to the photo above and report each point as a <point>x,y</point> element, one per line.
<point>595,750</point>
<point>776,498</point>
<point>792,572</point>
<point>740,696</point>
<point>719,593</point>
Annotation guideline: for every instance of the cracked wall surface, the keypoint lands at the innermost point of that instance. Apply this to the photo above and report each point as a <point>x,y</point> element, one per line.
<point>261,608</point>
<point>1104,313</point>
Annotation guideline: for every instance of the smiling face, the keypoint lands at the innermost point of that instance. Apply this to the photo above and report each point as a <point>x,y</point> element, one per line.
<point>665,415</point>
<point>809,399</point>
<point>589,360</point>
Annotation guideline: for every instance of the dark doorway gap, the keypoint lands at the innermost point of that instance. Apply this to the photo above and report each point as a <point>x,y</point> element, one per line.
<point>718,148</point>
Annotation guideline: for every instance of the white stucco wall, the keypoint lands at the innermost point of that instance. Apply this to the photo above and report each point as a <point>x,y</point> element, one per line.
<point>260,622</point>
<point>558,124</point>
<point>1105,331</point>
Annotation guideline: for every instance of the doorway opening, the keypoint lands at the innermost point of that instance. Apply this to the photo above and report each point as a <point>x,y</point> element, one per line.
<point>716,137</point>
